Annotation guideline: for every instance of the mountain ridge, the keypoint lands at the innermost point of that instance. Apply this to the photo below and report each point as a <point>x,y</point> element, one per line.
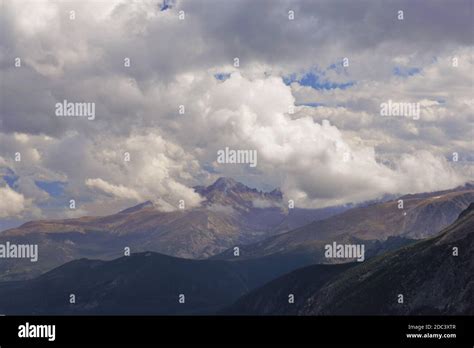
<point>228,216</point>
<point>423,215</point>
<point>374,287</point>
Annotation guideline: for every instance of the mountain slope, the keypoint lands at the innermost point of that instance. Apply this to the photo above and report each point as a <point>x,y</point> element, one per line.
<point>431,279</point>
<point>144,283</point>
<point>423,215</point>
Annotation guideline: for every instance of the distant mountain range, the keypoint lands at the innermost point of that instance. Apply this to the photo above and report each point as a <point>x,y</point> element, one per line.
<point>231,214</point>
<point>432,279</point>
<point>423,215</point>
<point>84,257</point>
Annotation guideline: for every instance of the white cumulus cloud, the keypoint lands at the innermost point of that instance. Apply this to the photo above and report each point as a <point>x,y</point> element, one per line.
<point>12,203</point>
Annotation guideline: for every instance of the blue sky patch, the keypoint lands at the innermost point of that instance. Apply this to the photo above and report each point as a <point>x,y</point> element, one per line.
<point>316,81</point>
<point>405,71</point>
<point>166,5</point>
<point>222,76</point>
<point>54,188</point>
<point>10,179</point>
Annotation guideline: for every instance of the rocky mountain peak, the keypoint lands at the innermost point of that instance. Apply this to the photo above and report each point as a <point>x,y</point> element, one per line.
<point>224,183</point>
<point>229,192</point>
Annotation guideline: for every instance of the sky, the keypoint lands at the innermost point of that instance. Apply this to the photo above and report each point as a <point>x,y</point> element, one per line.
<point>306,95</point>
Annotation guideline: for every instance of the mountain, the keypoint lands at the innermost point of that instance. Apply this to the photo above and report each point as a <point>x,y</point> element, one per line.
<point>431,279</point>
<point>143,283</point>
<point>423,215</point>
<point>229,192</point>
<point>257,210</point>
<point>231,214</point>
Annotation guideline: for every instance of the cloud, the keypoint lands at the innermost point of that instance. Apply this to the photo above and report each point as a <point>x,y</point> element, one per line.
<point>332,154</point>
<point>142,166</point>
<point>115,190</point>
<point>248,113</point>
<point>12,203</point>
<point>262,203</point>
